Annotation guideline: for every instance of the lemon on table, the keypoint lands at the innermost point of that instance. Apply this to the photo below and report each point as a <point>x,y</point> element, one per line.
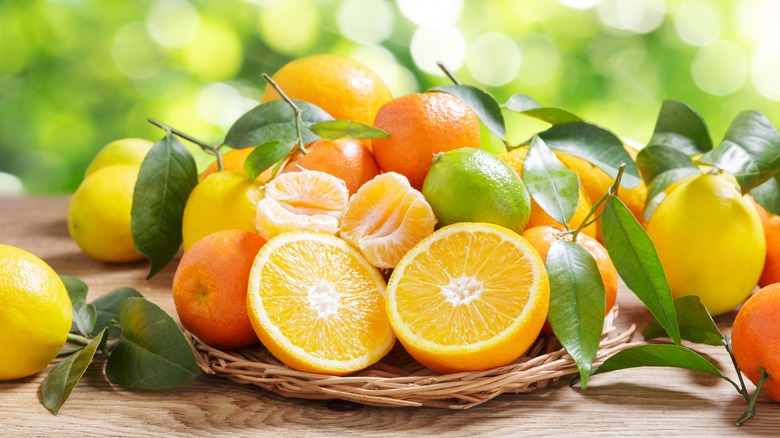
<point>471,296</point>
<point>99,214</point>
<point>472,185</point>
<point>317,304</point>
<point>35,313</point>
<point>122,151</point>
<point>710,241</point>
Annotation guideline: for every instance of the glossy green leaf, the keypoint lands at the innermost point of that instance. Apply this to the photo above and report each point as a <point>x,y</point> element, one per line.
<point>655,191</point>
<point>526,105</point>
<point>595,145</point>
<point>577,302</point>
<point>681,128</point>
<point>84,314</point>
<point>696,324</point>
<point>483,105</point>
<point>108,307</point>
<point>750,150</point>
<point>768,195</point>
<point>658,355</point>
<point>655,160</point>
<point>167,176</point>
<point>266,155</point>
<point>59,383</point>
<point>334,129</point>
<point>271,121</point>
<point>554,186</point>
<point>637,262</point>
<point>152,352</point>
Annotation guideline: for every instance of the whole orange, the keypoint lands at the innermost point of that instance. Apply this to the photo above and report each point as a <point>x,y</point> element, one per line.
<point>210,284</point>
<point>344,158</point>
<point>234,160</point>
<point>771,272</point>
<point>421,125</point>
<point>542,238</point>
<point>755,338</point>
<point>346,89</point>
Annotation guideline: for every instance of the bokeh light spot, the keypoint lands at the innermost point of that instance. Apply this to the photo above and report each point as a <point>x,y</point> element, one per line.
<point>494,59</point>
<point>766,72</point>
<point>221,104</point>
<point>757,20</point>
<point>10,185</point>
<point>135,54</point>
<point>720,68</point>
<point>639,16</point>
<point>173,23</point>
<point>698,22</point>
<point>580,4</point>
<point>365,21</point>
<point>432,13</point>
<point>398,78</point>
<point>541,59</point>
<point>216,53</point>
<point>445,44</point>
<point>290,26</point>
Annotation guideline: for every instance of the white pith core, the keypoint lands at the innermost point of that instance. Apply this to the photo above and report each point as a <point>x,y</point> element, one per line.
<point>462,290</point>
<point>324,299</point>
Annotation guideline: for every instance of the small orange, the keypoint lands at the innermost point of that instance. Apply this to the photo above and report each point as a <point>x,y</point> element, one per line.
<point>755,338</point>
<point>771,272</point>
<point>210,287</point>
<point>542,239</point>
<point>421,125</point>
<point>234,160</point>
<point>344,158</point>
<point>386,218</point>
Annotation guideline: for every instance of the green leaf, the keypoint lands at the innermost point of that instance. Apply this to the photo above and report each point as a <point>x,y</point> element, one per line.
<point>655,191</point>
<point>334,129</point>
<point>750,150</point>
<point>696,324</point>
<point>168,175</point>
<point>108,307</point>
<point>655,160</point>
<point>152,352</point>
<point>61,380</point>
<point>483,105</point>
<point>84,315</point>
<point>554,186</point>
<point>768,195</point>
<point>658,355</point>
<point>266,155</point>
<point>577,302</point>
<point>679,127</point>
<point>271,121</point>
<point>595,145</point>
<point>637,262</point>
<point>526,105</point>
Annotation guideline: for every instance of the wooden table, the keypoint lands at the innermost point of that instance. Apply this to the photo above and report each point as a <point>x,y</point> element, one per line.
<point>642,402</point>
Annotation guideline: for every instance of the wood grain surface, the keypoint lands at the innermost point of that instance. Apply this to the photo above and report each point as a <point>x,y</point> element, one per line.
<point>640,402</point>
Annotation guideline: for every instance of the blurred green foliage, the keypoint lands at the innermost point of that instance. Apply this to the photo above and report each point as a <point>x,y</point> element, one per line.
<point>77,74</point>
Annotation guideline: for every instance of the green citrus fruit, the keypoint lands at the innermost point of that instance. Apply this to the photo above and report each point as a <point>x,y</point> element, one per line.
<point>35,314</point>
<point>123,151</point>
<point>472,185</point>
<point>222,201</point>
<point>99,214</point>
<point>710,241</point>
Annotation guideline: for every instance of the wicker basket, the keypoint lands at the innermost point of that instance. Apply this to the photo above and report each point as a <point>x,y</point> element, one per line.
<point>399,381</point>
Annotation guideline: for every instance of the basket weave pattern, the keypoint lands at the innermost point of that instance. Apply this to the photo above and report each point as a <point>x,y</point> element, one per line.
<point>400,381</point>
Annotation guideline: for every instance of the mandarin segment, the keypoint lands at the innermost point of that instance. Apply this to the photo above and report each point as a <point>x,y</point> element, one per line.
<point>386,218</point>
<point>345,158</point>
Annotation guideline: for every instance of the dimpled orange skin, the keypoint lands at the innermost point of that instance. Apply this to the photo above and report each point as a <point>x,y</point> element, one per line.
<point>755,338</point>
<point>771,272</point>
<point>421,125</point>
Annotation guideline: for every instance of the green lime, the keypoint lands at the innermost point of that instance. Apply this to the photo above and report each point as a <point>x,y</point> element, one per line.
<point>472,185</point>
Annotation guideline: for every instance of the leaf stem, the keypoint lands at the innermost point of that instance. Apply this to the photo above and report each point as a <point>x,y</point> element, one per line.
<point>751,408</point>
<point>586,222</point>
<point>298,112</point>
<point>447,72</point>
<point>77,339</point>
<point>614,189</point>
<point>742,388</point>
<point>203,145</point>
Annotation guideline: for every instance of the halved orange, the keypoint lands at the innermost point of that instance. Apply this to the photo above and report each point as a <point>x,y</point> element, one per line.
<point>470,297</point>
<point>385,218</point>
<point>318,305</point>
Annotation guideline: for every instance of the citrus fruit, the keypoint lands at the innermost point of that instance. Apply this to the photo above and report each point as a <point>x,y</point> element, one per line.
<point>515,159</point>
<point>209,288</point>
<point>771,272</point>
<point>346,89</point>
<point>35,314</point>
<point>308,200</point>
<point>318,305</point>
<point>123,151</point>
<point>472,185</point>
<point>471,296</point>
<point>755,338</point>
<point>542,238</point>
<point>99,214</point>
<point>344,158</point>
<point>222,201</point>
<point>710,242</point>
<point>421,125</point>
<point>386,218</point>
<point>234,160</point>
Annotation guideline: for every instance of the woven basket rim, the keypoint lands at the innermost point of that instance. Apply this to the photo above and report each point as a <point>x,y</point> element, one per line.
<point>399,381</point>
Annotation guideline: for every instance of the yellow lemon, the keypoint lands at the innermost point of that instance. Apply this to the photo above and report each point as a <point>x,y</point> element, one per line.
<point>99,214</point>
<point>123,151</point>
<point>35,314</point>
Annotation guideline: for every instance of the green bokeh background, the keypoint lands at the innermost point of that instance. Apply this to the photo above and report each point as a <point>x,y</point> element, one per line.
<point>77,74</point>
